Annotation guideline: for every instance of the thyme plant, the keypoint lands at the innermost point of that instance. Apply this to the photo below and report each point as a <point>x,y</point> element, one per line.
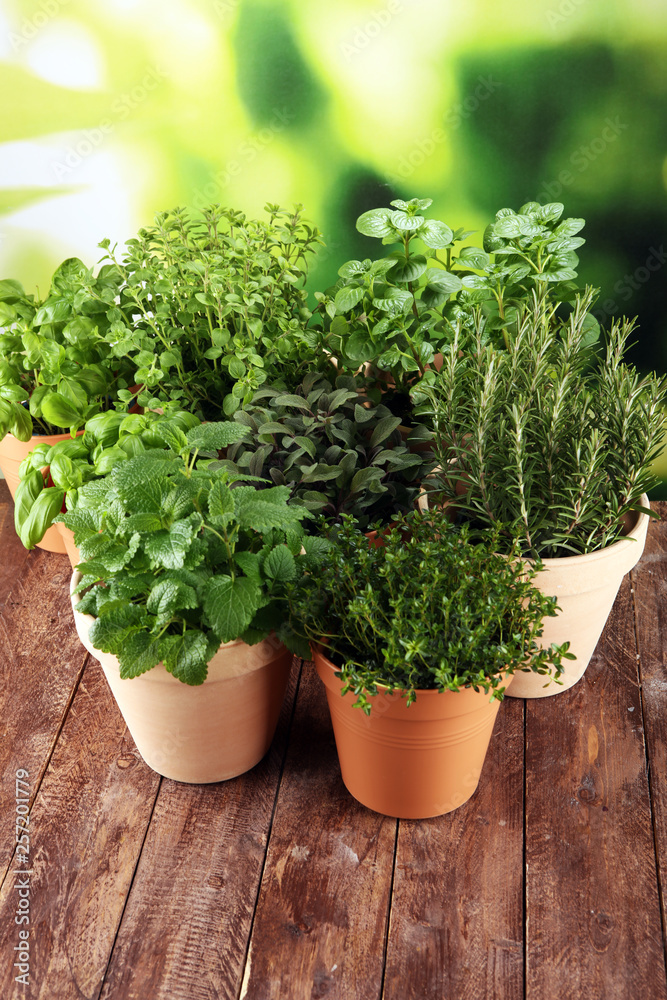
<point>552,441</point>
<point>431,608</point>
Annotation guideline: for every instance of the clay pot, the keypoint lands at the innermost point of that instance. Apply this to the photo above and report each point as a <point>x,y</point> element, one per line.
<point>211,732</point>
<point>410,762</point>
<point>586,587</point>
<point>12,453</point>
<point>67,536</point>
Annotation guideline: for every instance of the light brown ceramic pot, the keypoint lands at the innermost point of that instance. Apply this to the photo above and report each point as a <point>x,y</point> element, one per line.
<point>586,588</point>
<point>411,762</point>
<point>12,453</point>
<point>211,732</point>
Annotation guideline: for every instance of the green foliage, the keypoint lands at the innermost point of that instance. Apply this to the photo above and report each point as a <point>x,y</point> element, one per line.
<point>434,607</point>
<point>108,439</point>
<point>55,355</point>
<point>179,557</point>
<point>399,311</point>
<point>551,441</point>
<point>337,453</point>
<point>212,306</point>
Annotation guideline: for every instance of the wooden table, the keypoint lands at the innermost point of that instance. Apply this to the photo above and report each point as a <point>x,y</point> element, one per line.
<point>545,885</point>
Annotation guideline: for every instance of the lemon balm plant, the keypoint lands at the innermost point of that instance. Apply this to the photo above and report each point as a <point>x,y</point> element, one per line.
<point>183,574</point>
<point>213,305</point>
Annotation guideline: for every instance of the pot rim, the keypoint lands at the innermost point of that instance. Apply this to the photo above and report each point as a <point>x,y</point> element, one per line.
<point>632,537</point>
<point>89,619</point>
<point>383,690</point>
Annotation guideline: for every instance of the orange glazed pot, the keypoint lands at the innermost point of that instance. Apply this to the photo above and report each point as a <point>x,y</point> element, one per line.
<point>210,732</point>
<point>410,762</point>
<point>12,453</point>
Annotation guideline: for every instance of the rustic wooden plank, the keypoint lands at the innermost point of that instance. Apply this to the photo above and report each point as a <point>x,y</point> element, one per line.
<point>322,912</point>
<point>649,580</point>
<point>592,909</point>
<point>41,661</point>
<point>185,929</point>
<point>14,555</point>
<point>456,926</point>
<point>87,827</point>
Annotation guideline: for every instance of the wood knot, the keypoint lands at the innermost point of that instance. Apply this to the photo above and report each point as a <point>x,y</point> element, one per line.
<point>602,928</point>
<point>125,762</point>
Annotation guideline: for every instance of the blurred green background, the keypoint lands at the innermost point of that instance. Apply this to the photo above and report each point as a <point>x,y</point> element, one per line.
<point>114,109</point>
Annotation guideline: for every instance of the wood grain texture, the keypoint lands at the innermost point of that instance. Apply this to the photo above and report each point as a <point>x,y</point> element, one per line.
<point>14,555</point>
<point>593,918</point>
<point>322,912</point>
<point>649,580</point>
<point>185,930</point>
<point>456,927</point>
<point>41,660</point>
<point>87,828</point>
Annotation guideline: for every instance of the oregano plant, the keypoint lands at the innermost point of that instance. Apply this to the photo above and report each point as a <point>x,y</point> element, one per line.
<point>212,305</point>
<point>179,557</point>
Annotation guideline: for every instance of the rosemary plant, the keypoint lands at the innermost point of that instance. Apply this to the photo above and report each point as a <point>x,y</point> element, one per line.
<point>551,441</point>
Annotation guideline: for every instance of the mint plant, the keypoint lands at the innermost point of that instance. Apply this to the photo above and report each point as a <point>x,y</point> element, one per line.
<point>108,438</point>
<point>180,556</point>
<point>551,442</point>
<point>434,608</point>
<point>399,311</point>
<point>337,452</point>
<point>57,367</point>
<point>213,305</point>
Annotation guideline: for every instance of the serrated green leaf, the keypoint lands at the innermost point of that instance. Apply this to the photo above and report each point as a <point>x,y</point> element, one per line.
<point>249,563</point>
<point>215,436</point>
<point>142,651</point>
<point>220,500</point>
<point>280,565</point>
<point>169,548</point>
<point>187,658</point>
<point>168,595</point>
<point>230,605</point>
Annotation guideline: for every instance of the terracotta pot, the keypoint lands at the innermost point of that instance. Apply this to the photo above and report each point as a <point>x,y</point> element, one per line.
<point>586,587</point>
<point>12,453</point>
<point>67,536</point>
<point>212,732</point>
<point>410,762</point>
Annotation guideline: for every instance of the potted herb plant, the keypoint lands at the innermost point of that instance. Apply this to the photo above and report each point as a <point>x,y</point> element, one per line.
<point>56,368</point>
<point>336,451</point>
<point>415,641</point>
<point>179,597</point>
<point>552,443</point>
<point>395,314</point>
<point>108,438</point>
<point>212,305</point>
